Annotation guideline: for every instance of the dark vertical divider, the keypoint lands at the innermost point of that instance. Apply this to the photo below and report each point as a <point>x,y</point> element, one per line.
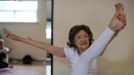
<point>52,23</point>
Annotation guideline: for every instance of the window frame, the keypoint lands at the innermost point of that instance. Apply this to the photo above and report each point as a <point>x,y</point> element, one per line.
<point>14,13</point>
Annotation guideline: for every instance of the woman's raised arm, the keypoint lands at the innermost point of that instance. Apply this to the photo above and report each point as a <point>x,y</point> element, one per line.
<point>39,44</point>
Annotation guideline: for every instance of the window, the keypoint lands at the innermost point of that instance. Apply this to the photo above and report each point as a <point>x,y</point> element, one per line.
<point>48,31</point>
<point>18,11</point>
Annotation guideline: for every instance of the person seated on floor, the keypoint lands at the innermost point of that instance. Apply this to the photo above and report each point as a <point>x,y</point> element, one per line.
<point>3,56</point>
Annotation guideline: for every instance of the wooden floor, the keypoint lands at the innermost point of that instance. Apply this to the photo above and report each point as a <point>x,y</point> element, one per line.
<point>21,69</point>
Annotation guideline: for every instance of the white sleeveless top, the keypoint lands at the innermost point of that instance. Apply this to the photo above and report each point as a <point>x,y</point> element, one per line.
<point>94,68</point>
<point>94,65</point>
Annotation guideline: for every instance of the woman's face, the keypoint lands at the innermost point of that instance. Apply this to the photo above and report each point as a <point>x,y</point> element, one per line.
<point>82,41</point>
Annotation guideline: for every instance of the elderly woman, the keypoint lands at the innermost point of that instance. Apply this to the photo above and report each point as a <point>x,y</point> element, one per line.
<point>82,50</point>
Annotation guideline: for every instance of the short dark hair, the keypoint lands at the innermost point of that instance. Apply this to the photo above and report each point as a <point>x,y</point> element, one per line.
<point>74,30</point>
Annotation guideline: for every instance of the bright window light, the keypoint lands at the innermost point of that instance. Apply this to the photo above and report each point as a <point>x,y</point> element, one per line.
<point>48,30</point>
<point>48,69</point>
<point>18,11</point>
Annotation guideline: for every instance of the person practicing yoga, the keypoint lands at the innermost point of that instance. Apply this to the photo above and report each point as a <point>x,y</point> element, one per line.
<point>4,65</point>
<point>81,50</point>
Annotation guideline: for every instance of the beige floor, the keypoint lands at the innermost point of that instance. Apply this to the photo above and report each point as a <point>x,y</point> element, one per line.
<point>20,69</point>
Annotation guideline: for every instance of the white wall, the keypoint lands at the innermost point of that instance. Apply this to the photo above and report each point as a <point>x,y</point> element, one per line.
<point>118,57</point>
<point>34,30</point>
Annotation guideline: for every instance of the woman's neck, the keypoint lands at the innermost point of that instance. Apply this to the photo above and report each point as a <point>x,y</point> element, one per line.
<point>80,52</point>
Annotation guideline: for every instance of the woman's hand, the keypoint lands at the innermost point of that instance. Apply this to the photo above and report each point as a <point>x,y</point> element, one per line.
<point>11,35</point>
<point>118,21</point>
